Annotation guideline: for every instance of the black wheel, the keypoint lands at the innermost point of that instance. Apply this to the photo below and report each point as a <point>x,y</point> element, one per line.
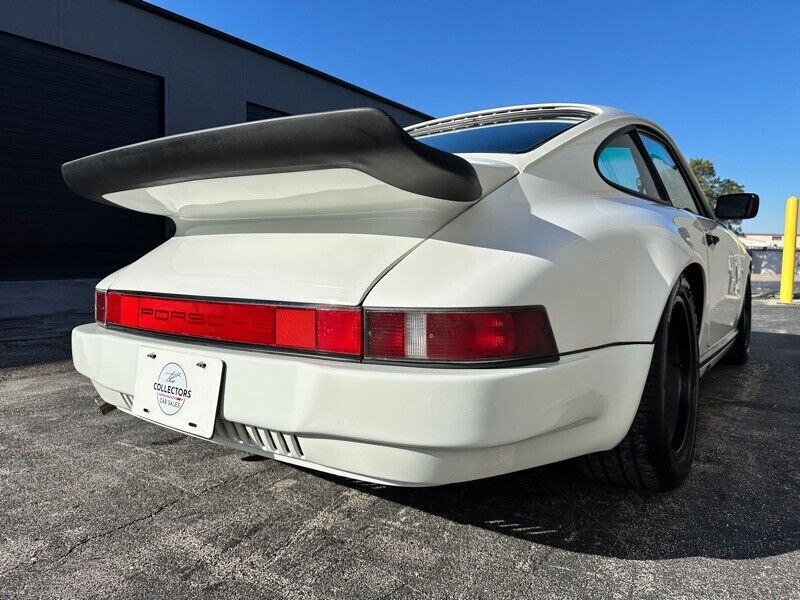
<point>740,350</point>
<point>657,452</point>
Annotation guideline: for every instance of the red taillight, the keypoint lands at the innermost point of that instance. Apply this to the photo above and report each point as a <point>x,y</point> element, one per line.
<point>100,307</point>
<point>424,336</point>
<point>387,334</point>
<point>459,336</point>
<point>330,331</point>
<point>339,331</point>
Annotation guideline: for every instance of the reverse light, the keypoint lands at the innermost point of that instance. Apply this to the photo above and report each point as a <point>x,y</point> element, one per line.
<point>469,336</point>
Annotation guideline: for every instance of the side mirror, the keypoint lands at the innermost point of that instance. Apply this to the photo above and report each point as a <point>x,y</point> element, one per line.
<point>737,206</point>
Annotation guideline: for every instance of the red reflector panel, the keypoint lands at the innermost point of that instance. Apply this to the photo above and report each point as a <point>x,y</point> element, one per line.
<point>113,307</point>
<point>259,324</point>
<point>246,323</point>
<point>296,328</point>
<point>100,307</point>
<point>464,336</point>
<point>339,331</point>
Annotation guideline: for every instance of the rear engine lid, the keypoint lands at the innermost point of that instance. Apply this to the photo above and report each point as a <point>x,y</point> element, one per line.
<point>328,247</point>
<point>310,208</point>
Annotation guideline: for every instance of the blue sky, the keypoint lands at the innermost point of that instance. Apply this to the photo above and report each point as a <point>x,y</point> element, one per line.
<point>723,77</point>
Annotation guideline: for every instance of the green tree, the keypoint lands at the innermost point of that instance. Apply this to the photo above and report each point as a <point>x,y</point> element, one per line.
<point>714,186</point>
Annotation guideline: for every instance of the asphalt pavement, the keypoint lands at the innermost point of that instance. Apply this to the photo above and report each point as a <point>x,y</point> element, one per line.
<point>110,506</point>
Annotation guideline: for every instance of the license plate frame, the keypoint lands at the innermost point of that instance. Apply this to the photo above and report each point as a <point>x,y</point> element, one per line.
<point>178,390</point>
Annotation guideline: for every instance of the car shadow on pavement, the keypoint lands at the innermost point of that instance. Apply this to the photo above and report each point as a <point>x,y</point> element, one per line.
<point>740,501</point>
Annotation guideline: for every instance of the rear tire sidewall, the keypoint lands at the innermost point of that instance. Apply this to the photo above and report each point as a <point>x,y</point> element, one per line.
<point>740,350</point>
<point>746,321</point>
<point>677,461</point>
<point>652,456</point>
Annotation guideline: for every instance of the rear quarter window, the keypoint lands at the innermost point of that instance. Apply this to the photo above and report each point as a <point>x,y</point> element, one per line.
<point>620,163</point>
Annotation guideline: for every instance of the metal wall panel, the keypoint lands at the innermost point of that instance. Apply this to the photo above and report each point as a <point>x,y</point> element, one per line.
<point>56,105</point>
<point>257,112</point>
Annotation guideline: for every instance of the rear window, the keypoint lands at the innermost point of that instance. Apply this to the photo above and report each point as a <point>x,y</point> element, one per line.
<point>512,138</point>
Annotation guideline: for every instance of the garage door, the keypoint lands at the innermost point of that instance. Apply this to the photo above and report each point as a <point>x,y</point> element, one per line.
<point>56,105</point>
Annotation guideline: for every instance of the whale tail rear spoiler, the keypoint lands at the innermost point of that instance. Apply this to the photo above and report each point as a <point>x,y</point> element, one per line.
<point>262,168</point>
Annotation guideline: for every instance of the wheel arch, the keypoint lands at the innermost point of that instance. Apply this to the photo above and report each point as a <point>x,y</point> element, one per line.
<point>697,282</point>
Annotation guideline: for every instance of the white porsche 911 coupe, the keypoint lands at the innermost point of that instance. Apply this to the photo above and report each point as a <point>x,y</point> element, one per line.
<point>467,297</point>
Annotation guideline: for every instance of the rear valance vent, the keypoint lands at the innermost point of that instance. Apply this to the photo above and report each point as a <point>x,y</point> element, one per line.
<point>264,440</point>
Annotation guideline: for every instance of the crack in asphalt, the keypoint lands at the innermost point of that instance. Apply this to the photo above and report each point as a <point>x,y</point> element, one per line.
<point>308,525</point>
<point>91,538</point>
<point>74,547</point>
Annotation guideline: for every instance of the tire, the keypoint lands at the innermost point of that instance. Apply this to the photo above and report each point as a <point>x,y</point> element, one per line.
<point>657,452</point>
<point>740,350</point>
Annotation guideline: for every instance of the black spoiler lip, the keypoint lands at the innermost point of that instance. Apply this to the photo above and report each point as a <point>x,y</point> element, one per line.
<point>365,139</point>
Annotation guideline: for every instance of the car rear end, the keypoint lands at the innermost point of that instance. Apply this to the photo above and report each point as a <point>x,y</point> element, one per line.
<point>264,324</point>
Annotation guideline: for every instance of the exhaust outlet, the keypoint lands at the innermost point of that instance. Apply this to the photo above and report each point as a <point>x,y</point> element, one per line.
<point>104,406</point>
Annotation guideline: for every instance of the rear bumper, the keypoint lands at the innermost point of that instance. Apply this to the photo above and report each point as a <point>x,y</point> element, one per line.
<point>398,425</point>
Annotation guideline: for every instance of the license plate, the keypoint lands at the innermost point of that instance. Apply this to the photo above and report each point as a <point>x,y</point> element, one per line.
<point>178,390</point>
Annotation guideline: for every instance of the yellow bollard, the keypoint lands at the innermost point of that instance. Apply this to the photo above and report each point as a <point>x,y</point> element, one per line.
<point>789,250</point>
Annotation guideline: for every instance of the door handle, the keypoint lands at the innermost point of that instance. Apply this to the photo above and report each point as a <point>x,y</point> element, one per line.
<point>712,239</point>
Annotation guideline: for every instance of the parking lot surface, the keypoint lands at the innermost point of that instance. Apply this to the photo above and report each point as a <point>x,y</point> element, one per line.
<point>110,506</point>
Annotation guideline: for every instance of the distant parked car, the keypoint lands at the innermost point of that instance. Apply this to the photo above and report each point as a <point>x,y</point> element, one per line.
<point>470,296</point>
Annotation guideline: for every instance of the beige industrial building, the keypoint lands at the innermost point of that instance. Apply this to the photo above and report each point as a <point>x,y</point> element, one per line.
<point>765,240</point>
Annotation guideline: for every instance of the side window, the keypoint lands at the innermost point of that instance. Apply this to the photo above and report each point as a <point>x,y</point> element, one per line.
<point>677,188</point>
<point>620,162</point>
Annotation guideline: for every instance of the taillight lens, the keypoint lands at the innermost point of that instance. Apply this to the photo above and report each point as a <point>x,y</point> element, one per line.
<point>315,330</point>
<point>459,336</point>
<point>100,307</point>
<point>415,336</point>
